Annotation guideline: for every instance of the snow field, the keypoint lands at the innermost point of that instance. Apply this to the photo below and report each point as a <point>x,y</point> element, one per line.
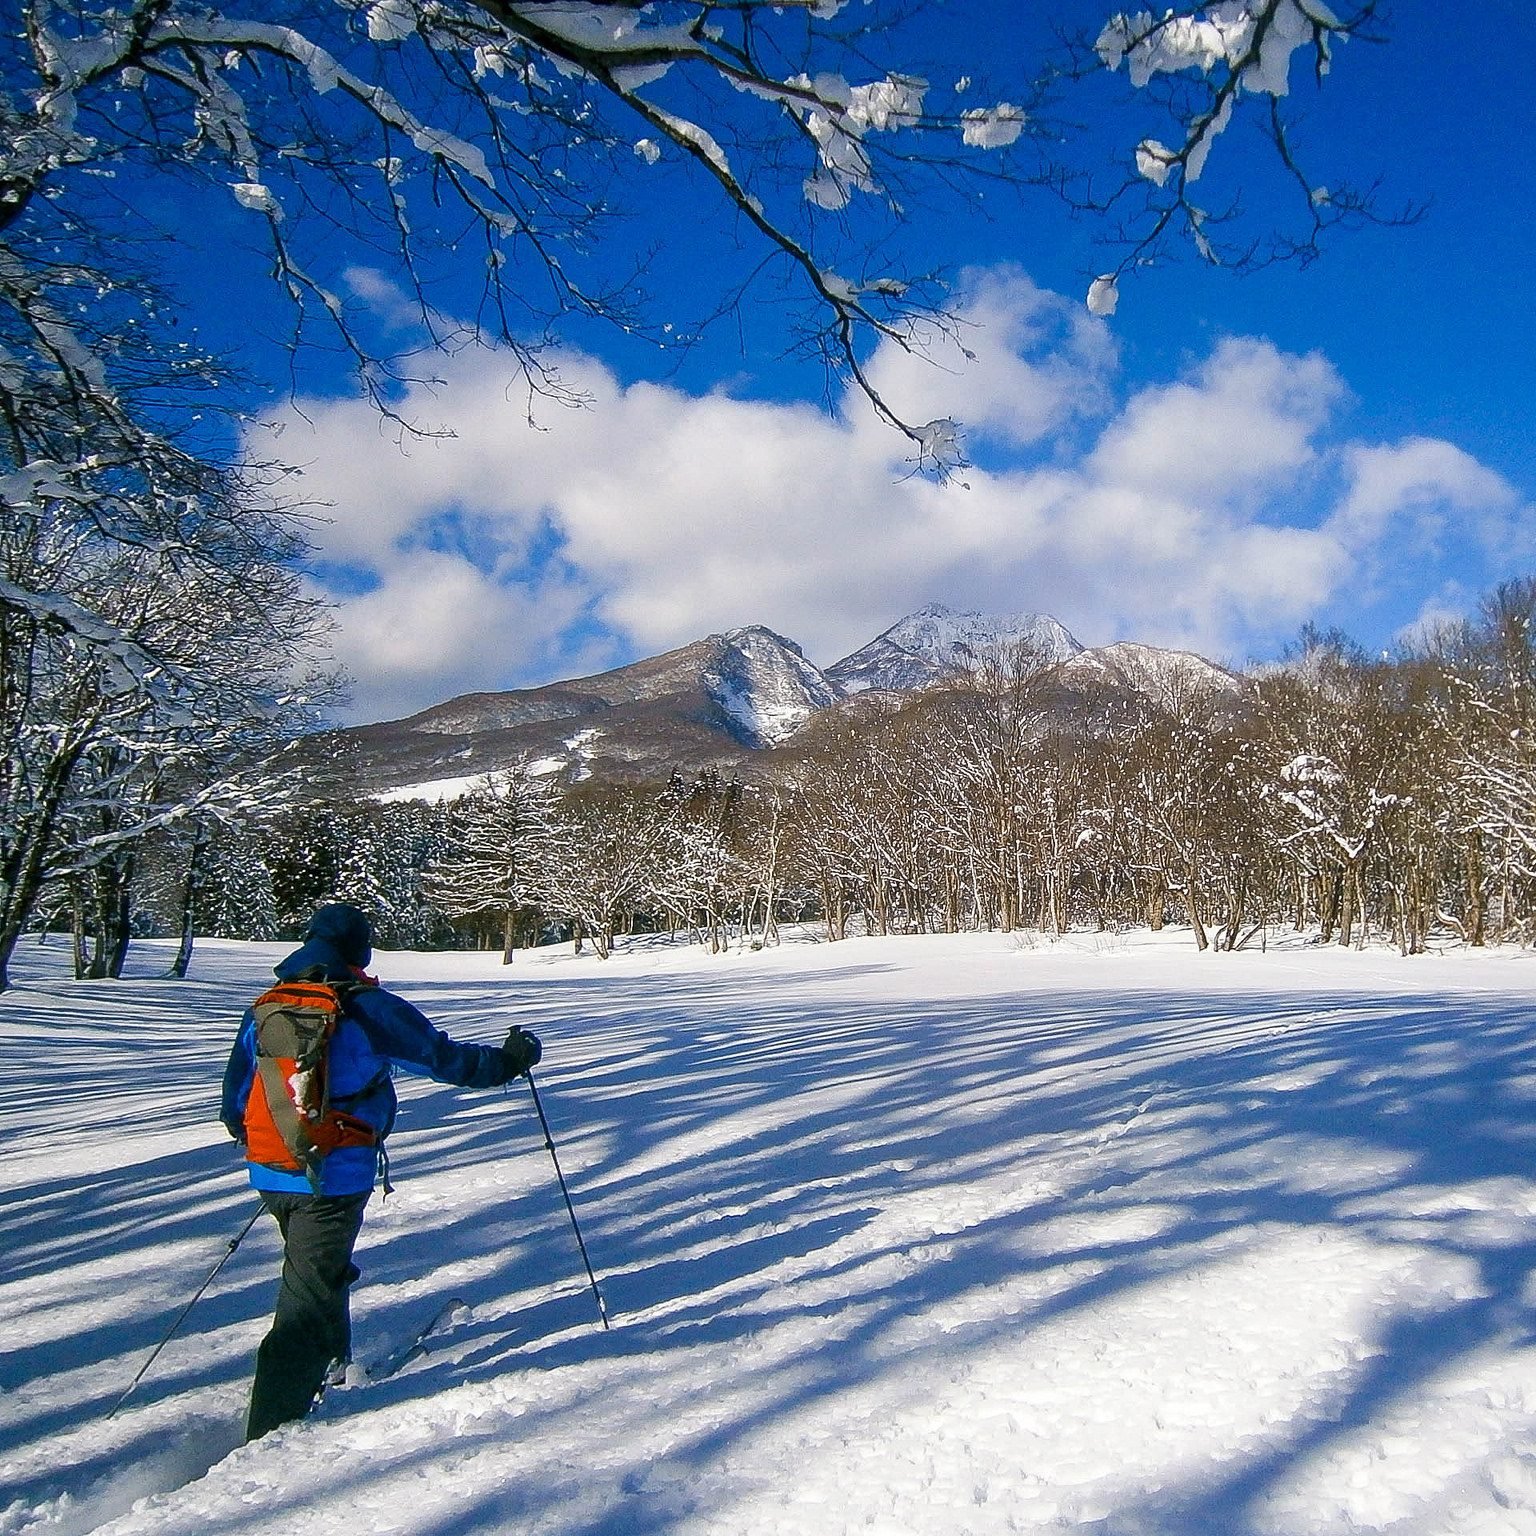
<point>951,1235</point>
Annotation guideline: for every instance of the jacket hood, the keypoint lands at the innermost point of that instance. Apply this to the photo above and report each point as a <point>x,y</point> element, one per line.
<point>337,941</point>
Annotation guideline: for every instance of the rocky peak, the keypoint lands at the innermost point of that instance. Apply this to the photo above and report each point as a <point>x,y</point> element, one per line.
<point>765,685</point>
<point>935,643</point>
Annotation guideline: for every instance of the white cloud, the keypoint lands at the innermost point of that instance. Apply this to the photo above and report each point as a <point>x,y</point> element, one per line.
<point>1242,425</point>
<point>1421,489</point>
<point>1023,363</point>
<point>1445,606</point>
<point>437,625</point>
<point>1216,511</point>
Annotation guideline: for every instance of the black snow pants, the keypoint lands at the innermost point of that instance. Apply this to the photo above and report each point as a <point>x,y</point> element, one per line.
<point>312,1324</point>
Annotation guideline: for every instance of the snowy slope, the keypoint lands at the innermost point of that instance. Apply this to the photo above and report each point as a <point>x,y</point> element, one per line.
<point>766,686</point>
<point>934,643</point>
<point>712,703</point>
<point>1164,676</point>
<point>943,1235</point>
<point>719,701</point>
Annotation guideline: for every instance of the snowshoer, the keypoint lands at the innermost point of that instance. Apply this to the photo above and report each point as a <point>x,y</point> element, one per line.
<point>320,1211</point>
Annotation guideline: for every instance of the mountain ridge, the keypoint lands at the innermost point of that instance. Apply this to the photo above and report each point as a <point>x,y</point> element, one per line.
<point>725,701</point>
<point>935,643</point>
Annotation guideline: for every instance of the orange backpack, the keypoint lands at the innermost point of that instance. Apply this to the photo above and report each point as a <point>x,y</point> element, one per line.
<point>289,1121</point>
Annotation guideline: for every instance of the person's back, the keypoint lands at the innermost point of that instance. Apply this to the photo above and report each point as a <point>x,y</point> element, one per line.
<point>319,1207</point>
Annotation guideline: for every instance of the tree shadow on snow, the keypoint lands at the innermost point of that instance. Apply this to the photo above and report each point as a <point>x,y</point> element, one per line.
<point>746,1162</point>
<point>1414,1089</point>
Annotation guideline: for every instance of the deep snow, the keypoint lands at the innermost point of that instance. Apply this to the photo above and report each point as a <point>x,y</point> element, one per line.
<point>939,1235</point>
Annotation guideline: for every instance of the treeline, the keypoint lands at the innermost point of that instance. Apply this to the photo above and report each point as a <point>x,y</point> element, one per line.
<point>1332,794</point>
<point>1349,798</point>
<point>1336,795</point>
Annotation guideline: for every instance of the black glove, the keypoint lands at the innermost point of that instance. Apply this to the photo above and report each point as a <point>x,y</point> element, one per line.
<point>521,1052</point>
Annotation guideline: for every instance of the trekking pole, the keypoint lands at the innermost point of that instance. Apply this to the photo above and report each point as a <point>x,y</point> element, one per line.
<point>234,1243</point>
<point>549,1142</point>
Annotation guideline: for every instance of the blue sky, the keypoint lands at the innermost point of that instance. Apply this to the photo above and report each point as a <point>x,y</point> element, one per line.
<point>1224,458</point>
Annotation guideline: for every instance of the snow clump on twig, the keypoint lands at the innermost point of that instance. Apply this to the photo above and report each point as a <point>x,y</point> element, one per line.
<point>1254,38</point>
<point>992,127</point>
<point>1103,296</point>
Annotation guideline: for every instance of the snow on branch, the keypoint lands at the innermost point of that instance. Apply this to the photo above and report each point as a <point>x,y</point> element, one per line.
<point>1232,49</point>
<point>126,666</point>
<point>398,120</point>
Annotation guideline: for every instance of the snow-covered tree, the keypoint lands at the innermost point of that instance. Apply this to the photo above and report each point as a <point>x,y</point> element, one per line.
<point>384,853</point>
<point>762,848</point>
<point>1484,707</point>
<point>1337,736</point>
<point>604,849</point>
<point>697,878</point>
<point>508,134</point>
<point>233,894</point>
<point>495,850</point>
<point>144,680</point>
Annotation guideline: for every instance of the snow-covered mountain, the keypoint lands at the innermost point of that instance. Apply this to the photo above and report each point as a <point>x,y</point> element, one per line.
<point>935,643</point>
<point>1165,677</point>
<point>713,703</point>
<point>766,686</point>
<point>722,701</point>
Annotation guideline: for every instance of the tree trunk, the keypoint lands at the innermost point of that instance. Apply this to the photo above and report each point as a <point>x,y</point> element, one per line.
<point>1361,906</point>
<point>120,929</point>
<point>1328,913</point>
<point>1237,906</point>
<point>1192,909</point>
<point>1008,918</point>
<point>770,885</point>
<point>837,911</point>
<point>187,905</point>
<point>77,932</point>
<point>21,874</point>
<point>112,900</point>
<point>1477,894</point>
<point>1346,887</point>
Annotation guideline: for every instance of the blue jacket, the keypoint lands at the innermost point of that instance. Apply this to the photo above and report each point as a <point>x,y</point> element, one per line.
<point>380,1032</point>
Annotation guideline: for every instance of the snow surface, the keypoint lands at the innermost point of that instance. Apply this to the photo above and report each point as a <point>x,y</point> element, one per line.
<point>436,791</point>
<point>1161,675</point>
<point>979,1234</point>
